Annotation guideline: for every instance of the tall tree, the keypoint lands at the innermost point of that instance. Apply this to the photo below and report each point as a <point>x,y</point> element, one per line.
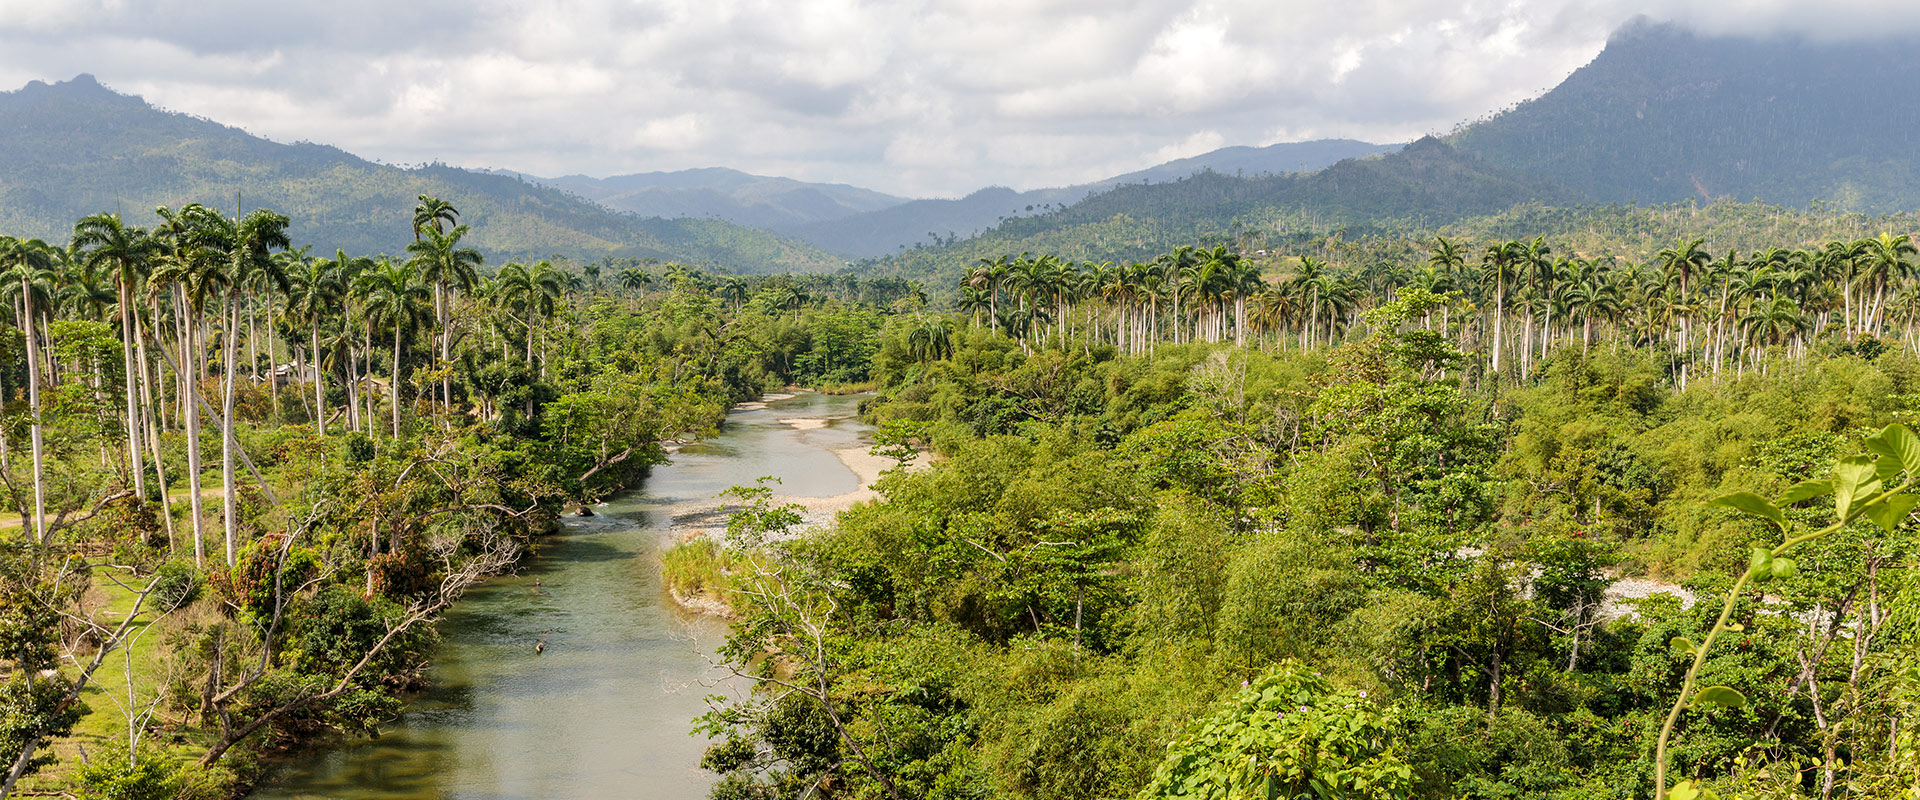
<point>253,239</point>
<point>433,214</point>
<point>316,292</point>
<point>193,268</point>
<point>27,263</point>
<point>440,260</point>
<point>127,252</point>
<point>395,297</point>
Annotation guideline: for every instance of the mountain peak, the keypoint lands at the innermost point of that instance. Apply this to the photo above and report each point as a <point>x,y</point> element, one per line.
<point>1665,113</point>
<point>83,87</point>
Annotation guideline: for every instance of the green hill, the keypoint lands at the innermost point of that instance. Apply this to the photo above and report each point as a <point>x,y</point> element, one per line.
<point>1662,114</point>
<point>1428,183</point>
<point>932,221</point>
<point>755,200</point>
<point>75,148</point>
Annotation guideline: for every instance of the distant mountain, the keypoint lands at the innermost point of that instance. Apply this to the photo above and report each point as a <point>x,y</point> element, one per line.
<point>1274,159</point>
<point>74,148</point>
<point>1427,183</point>
<point>929,221</point>
<point>727,194</point>
<point>921,222</point>
<point>1663,114</point>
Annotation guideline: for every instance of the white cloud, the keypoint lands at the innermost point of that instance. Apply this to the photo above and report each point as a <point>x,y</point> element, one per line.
<point>923,97</point>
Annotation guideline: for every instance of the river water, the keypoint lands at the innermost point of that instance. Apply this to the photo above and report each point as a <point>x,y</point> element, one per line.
<point>606,711</point>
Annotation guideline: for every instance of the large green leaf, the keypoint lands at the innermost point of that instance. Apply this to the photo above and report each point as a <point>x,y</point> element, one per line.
<point>1853,480</point>
<point>1806,490</point>
<point>1723,696</point>
<point>1753,505</point>
<point>1899,444</point>
<point>1889,513</point>
<point>1682,646</point>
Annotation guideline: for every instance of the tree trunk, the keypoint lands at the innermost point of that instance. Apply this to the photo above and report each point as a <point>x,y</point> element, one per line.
<point>134,460</point>
<point>319,382</point>
<point>189,369</point>
<point>1499,316</point>
<point>33,408</point>
<point>151,405</point>
<point>393,381</point>
<point>446,353</point>
<point>229,501</point>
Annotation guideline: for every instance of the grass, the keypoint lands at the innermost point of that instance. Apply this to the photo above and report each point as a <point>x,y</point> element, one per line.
<point>144,663</point>
<point>700,570</point>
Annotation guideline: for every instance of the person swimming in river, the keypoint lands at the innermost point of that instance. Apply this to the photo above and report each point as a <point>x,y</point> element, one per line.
<point>537,588</point>
<point>540,647</point>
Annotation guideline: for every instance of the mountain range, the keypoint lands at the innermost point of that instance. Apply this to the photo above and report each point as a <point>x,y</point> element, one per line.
<point>1659,115</point>
<point>858,222</point>
<point>1663,114</point>
<point>76,147</point>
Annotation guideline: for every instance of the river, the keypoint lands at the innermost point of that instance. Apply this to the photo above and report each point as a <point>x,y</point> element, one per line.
<point>606,711</point>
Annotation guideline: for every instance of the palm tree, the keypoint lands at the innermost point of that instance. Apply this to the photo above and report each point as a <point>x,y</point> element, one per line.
<point>1497,267</point>
<point>974,301</point>
<point>316,292</point>
<point>440,260</point>
<point>127,253</point>
<point>533,291</point>
<point>634,280</point>
<point>1680,261</point>
<point>1773,322</point>
<point>1882,259</point>
<point>1175,267</point>
<point>254,237</point>
<point>396,297</point>
<point>1446,257</point>
<point>1591,295</point>
<point>734,290</point>
<point>987,277</point>
<point>433,214</point>
<point>29,262</point>
<point>194,268</point>
<point>1839,262</point>
<point>930,339</point>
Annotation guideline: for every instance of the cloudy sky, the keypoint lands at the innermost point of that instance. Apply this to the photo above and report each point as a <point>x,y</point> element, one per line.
<point>915,97</point>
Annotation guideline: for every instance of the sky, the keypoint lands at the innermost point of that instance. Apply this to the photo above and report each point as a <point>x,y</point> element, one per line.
<point>915,97</point>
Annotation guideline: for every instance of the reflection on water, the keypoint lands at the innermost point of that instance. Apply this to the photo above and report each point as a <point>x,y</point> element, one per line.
<point>606,710</point>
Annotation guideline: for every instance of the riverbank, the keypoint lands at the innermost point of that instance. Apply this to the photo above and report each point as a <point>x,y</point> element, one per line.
<point>697,565</point>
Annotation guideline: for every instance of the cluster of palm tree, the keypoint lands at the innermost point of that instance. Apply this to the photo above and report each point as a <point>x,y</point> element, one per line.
<point>1716,313</point>
<point>186,297</point>
<point>1730,311</point>
<point>1189,294</point>
<point>1186,295</point>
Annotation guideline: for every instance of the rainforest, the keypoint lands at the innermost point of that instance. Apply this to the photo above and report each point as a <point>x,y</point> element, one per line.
<point>1385,517</point>
<point>1112,439</point>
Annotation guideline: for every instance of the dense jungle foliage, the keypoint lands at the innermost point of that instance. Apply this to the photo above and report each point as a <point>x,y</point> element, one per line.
<point>243,482</point>
<point>1370,517</point>
<point>1305,533</point>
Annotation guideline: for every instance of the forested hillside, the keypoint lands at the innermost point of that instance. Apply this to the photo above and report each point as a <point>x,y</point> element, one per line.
<point>1428,183</point>
<point>755,200</point>
<point>76,148</point>
<point>1487,519</point>
<point>1663,114</point>
<point>934,222</point>
<point>1273,159</point>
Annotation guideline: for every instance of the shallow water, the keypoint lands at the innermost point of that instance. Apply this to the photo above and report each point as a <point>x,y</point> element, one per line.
<point>607,710</point>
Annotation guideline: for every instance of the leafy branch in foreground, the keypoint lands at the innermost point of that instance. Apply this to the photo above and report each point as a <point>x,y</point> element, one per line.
<point>1859,487</point>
